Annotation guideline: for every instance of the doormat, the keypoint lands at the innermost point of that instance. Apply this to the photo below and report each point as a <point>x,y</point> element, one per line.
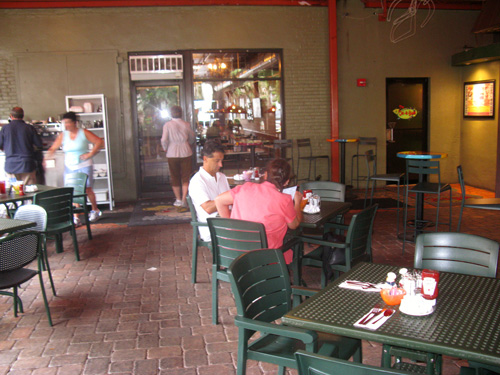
<point>358,204</point>
<point>158,212</point>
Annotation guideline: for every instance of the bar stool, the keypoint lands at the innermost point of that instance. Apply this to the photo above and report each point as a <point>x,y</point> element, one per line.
<point>371,167</point>
<point>424,168</point>
<point>305,145</point>
<point>362,141</point>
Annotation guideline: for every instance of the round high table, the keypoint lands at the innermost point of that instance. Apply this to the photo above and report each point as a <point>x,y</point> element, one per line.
<point>420,155</point>
<point>342,142</point>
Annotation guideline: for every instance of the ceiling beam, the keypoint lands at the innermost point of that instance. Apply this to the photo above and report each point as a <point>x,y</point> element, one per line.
<point>33,4</point>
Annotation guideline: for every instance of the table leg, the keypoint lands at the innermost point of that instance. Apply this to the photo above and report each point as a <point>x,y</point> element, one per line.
<point>342,163</point>
<point>252,156</point>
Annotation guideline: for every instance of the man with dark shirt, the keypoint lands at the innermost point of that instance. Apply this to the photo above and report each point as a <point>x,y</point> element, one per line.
<point>18,141</point>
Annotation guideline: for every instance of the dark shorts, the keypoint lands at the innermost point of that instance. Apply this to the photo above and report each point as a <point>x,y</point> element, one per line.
<point>180,170</point>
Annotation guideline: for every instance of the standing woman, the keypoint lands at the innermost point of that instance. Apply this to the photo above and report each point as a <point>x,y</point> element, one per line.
<point>177,141</point>
<point>77,157</point>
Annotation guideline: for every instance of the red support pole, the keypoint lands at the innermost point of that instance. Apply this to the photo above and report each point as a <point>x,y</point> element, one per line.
<point>334,87</point>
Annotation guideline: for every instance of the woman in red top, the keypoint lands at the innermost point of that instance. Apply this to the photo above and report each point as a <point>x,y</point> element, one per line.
<point>265,203</point>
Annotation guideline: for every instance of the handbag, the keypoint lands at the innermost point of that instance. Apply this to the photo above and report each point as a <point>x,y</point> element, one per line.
<point>332,255</point>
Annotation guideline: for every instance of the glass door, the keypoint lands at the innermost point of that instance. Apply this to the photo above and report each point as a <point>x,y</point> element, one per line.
<point>152,111</point>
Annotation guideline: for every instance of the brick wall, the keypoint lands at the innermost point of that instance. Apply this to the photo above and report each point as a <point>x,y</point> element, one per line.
<point>8,93</point>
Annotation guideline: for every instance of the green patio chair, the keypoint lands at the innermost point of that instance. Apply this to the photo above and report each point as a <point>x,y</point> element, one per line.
<point>38,215</point>
<point>230,238</point>
<point>462,253</point>
<point>59,206</point>
<point>197,241</point>
<point>316,364</point>
<point>78,181</point>
<point>479,203</point>
<point>263,294</point>
<point>16,252</point>
<point>357,246</point>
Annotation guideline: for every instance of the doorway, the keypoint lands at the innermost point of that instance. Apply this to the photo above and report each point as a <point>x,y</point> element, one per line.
<point>152,102</point>
<point>406,119</point>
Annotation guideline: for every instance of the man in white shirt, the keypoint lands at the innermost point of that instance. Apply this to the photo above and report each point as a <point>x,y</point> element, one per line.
<point>207,184</point>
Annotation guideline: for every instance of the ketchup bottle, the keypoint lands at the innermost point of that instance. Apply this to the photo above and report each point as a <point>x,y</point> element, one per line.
<point>430,281</point>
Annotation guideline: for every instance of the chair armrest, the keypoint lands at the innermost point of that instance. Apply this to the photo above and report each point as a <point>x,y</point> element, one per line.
<point>198,224</point>
<point>322,242</point>
<point>306,336</point>
<point>303,291</point>
<point>330,225</point>
<point>289,244</point>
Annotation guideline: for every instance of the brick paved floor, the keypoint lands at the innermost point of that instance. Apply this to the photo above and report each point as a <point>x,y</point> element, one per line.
<point>128,307</point>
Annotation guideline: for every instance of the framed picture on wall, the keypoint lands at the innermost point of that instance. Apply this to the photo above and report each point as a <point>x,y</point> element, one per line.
<point>479,99</point>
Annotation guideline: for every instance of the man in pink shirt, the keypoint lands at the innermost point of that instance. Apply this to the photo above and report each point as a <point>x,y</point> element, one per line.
<point>265,203</point>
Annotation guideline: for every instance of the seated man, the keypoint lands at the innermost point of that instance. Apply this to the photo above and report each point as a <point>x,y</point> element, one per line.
<point>207,184</point>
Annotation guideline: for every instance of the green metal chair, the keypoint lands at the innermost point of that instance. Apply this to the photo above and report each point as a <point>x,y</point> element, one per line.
<point>197,241</point>
<point>480,203</point>
<point>231,238</point>
<point>424,168</point>
<point>78,181</point>
<point>38,215</point>
<point>357,245</point>
<point>363,142</point>
<point>317,364</point>
<point>261,286</point>
<point>462,253</point>
<point>373,177</point>
<point>59,206</point>
<point>16,252</point>
<point>327,190</point>
<point>304,150</point>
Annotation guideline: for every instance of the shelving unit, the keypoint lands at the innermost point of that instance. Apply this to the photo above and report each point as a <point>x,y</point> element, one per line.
<point>92,115</point>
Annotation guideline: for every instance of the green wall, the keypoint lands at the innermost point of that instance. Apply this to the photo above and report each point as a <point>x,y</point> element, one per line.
<point>86,49</point>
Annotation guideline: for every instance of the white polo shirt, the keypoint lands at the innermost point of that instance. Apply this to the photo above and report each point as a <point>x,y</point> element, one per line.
<point>204,187</point>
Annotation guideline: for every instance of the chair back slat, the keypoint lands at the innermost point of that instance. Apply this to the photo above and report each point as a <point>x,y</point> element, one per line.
<point>327,190</point>
<point>78,181</point>
<point>359,234</point>
<point>231,237</point>
<point>317,364</point>
<point>261,285</point>
<point>461,181</point>
<point>59,206</point>
<point>457,252</point>
<point>18,250</point>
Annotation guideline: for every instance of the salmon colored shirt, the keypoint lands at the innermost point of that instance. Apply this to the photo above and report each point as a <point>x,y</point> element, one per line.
<point>263,203</point>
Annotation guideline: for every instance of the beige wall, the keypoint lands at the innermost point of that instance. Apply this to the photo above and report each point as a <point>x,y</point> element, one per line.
<point>302,32</point>
<point>479,137</point>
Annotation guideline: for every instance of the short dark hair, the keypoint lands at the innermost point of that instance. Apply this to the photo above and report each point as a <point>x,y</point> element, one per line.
<point>17,113</point>
<point>210,147</point>
<point>69,116</point>
<point>176,111</point>
<point>278,172</point>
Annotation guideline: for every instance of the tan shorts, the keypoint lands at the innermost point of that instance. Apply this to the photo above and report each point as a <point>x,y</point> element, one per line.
<point>27,178</point>
<point>180,170</point>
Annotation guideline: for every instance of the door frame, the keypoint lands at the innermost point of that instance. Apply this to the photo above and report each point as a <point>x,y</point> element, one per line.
<point>135,126</point>
<point>425,108</point>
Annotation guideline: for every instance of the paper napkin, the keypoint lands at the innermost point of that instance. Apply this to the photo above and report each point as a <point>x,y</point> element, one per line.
<point>374,323</point>
<point>354,286</point>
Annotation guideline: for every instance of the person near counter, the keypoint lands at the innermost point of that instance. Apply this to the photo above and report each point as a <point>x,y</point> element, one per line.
<point>19,142</point>
<point>77,157</point>
<point>207,184</point>
<point>177,141</point>
<point>265,203</point>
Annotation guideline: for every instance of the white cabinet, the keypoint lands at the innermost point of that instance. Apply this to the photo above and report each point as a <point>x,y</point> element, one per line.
<point>92,115</point>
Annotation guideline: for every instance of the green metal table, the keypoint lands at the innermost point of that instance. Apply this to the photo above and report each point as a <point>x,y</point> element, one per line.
<point>13,198</point>
<point>465,324</point>
<point>13,225</point>
<point>329,210</point>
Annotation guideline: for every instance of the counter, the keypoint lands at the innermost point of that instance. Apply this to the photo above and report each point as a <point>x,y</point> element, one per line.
<point>54,171</point>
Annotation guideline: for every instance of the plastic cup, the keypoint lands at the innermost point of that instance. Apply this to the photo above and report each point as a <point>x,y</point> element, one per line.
<point>247,175</point>
<point>21,189</point>
<point>2,187</point>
